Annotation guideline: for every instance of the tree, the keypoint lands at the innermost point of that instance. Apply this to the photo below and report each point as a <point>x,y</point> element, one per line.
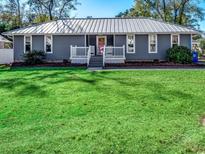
<point>183,12</point>
<point>53,8</point>
<point>202,45</point>
<point>19,13</point>
<point>11,14</point>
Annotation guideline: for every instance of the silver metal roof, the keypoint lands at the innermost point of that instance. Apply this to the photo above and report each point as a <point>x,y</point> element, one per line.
<point>102,26</point>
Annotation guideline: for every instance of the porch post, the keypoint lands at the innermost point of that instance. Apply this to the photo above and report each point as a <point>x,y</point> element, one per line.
<point>104,56</point>
<point>71,53</point>
<point>124,51</point>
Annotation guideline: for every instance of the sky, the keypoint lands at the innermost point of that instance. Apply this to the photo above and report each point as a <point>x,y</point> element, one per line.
<point>108,8</point>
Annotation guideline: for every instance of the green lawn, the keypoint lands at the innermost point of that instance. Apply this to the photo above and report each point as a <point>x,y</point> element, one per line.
<point>48,110</point>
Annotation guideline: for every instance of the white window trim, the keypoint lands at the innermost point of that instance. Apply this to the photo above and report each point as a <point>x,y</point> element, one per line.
<point>51,44</point>
<point>25,42</point>
<point>133,44</point>
<point>172,39</point>
<point>149,49</point>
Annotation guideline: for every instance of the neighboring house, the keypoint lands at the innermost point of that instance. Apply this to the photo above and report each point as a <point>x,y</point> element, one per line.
<point>101,40</point>
<point>6,51</point>
<point>5,43</point>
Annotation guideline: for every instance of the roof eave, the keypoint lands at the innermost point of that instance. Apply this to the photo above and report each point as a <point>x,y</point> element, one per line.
<point>115,33</point>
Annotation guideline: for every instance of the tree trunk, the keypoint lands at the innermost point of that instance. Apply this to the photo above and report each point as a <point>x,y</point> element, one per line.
<point>164,10</point>
<point>50,9</point>
<point>183,4</point>
<point>19,13</point>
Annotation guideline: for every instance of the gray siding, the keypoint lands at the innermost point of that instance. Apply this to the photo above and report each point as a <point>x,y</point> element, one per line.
<point>61,46</point>
<point>164,43</point>
<point>120,40</point>
<point>62,43</point>
<point>185,40</point>
<point>18,48</point>
<point>38,42</point>
<point>141,47</point>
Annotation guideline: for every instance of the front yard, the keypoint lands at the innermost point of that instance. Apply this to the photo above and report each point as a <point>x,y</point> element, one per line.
<point>48,110</point>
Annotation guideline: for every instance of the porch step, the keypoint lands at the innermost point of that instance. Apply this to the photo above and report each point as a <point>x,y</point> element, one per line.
<point>96,61</point>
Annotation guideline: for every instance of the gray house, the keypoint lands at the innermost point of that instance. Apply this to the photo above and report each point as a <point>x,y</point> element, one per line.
<point>98,41</point>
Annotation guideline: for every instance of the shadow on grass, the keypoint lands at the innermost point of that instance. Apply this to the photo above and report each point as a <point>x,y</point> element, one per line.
<point>32,90</point>
<point>79,75</point>
<point>25,87</point>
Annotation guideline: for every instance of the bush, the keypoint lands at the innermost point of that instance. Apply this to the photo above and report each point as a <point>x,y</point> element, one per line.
<point>179,54</point>
<point>34,57</point>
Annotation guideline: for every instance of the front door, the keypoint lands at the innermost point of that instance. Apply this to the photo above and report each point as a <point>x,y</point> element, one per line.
<point>101,42</point>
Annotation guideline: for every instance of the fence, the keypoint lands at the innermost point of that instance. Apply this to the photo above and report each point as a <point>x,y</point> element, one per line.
<point>6,56</point>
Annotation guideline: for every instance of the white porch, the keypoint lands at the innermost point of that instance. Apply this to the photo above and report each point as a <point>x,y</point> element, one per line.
<point>83,55</point>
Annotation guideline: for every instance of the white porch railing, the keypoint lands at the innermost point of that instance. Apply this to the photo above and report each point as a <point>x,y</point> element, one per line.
<point>78,52</point>
<point>113,53</point>
<point>110,54</point>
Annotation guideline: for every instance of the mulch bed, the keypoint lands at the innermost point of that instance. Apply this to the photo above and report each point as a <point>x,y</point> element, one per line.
<point>48,64</point>
<point>127,65</point>
<point>153,65</point>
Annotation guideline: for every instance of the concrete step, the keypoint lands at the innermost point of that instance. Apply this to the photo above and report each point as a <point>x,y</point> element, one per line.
<point>93,61</point>
<point>96,61</point>
<point>95,64</point>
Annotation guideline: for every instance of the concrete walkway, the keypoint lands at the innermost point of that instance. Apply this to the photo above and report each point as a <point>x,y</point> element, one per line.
<point>92,69</point>
<point>143,69</point>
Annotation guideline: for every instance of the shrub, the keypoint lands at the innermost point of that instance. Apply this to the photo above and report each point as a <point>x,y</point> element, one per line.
<point>179,54</point>
<point>34,57</point>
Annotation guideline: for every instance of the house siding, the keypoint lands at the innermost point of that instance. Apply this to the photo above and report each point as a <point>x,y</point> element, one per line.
<point>18,48</point>
<point>164,43</point>
<point>120,40</point>
<point>62,43</point>
<point>38,42</point>
<point>61,46</point>
<point>185,40</point>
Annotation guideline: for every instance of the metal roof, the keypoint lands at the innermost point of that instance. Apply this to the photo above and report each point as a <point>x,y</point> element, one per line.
<point>102,26</point>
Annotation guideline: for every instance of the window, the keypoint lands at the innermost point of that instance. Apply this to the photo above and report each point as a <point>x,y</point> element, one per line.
<point>153,43</point>
<point>48,44</point>
<point>130,43</point>
<point>27,44</point>
<point>175,40</point>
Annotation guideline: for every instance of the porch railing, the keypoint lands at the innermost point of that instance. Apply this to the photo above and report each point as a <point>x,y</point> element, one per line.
<point>113,53</point>
<point>78,52</point>
<point>85,53</point>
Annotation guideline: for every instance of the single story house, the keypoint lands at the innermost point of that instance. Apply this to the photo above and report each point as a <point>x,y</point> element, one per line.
<point>97,41</point>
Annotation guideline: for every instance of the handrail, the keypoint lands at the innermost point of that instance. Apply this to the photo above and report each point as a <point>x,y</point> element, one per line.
<point>104,56</point>
<point>88,56</point>
<point>124,51</point>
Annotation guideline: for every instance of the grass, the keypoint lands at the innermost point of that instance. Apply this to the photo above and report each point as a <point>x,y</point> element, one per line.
<point>48,110</point>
